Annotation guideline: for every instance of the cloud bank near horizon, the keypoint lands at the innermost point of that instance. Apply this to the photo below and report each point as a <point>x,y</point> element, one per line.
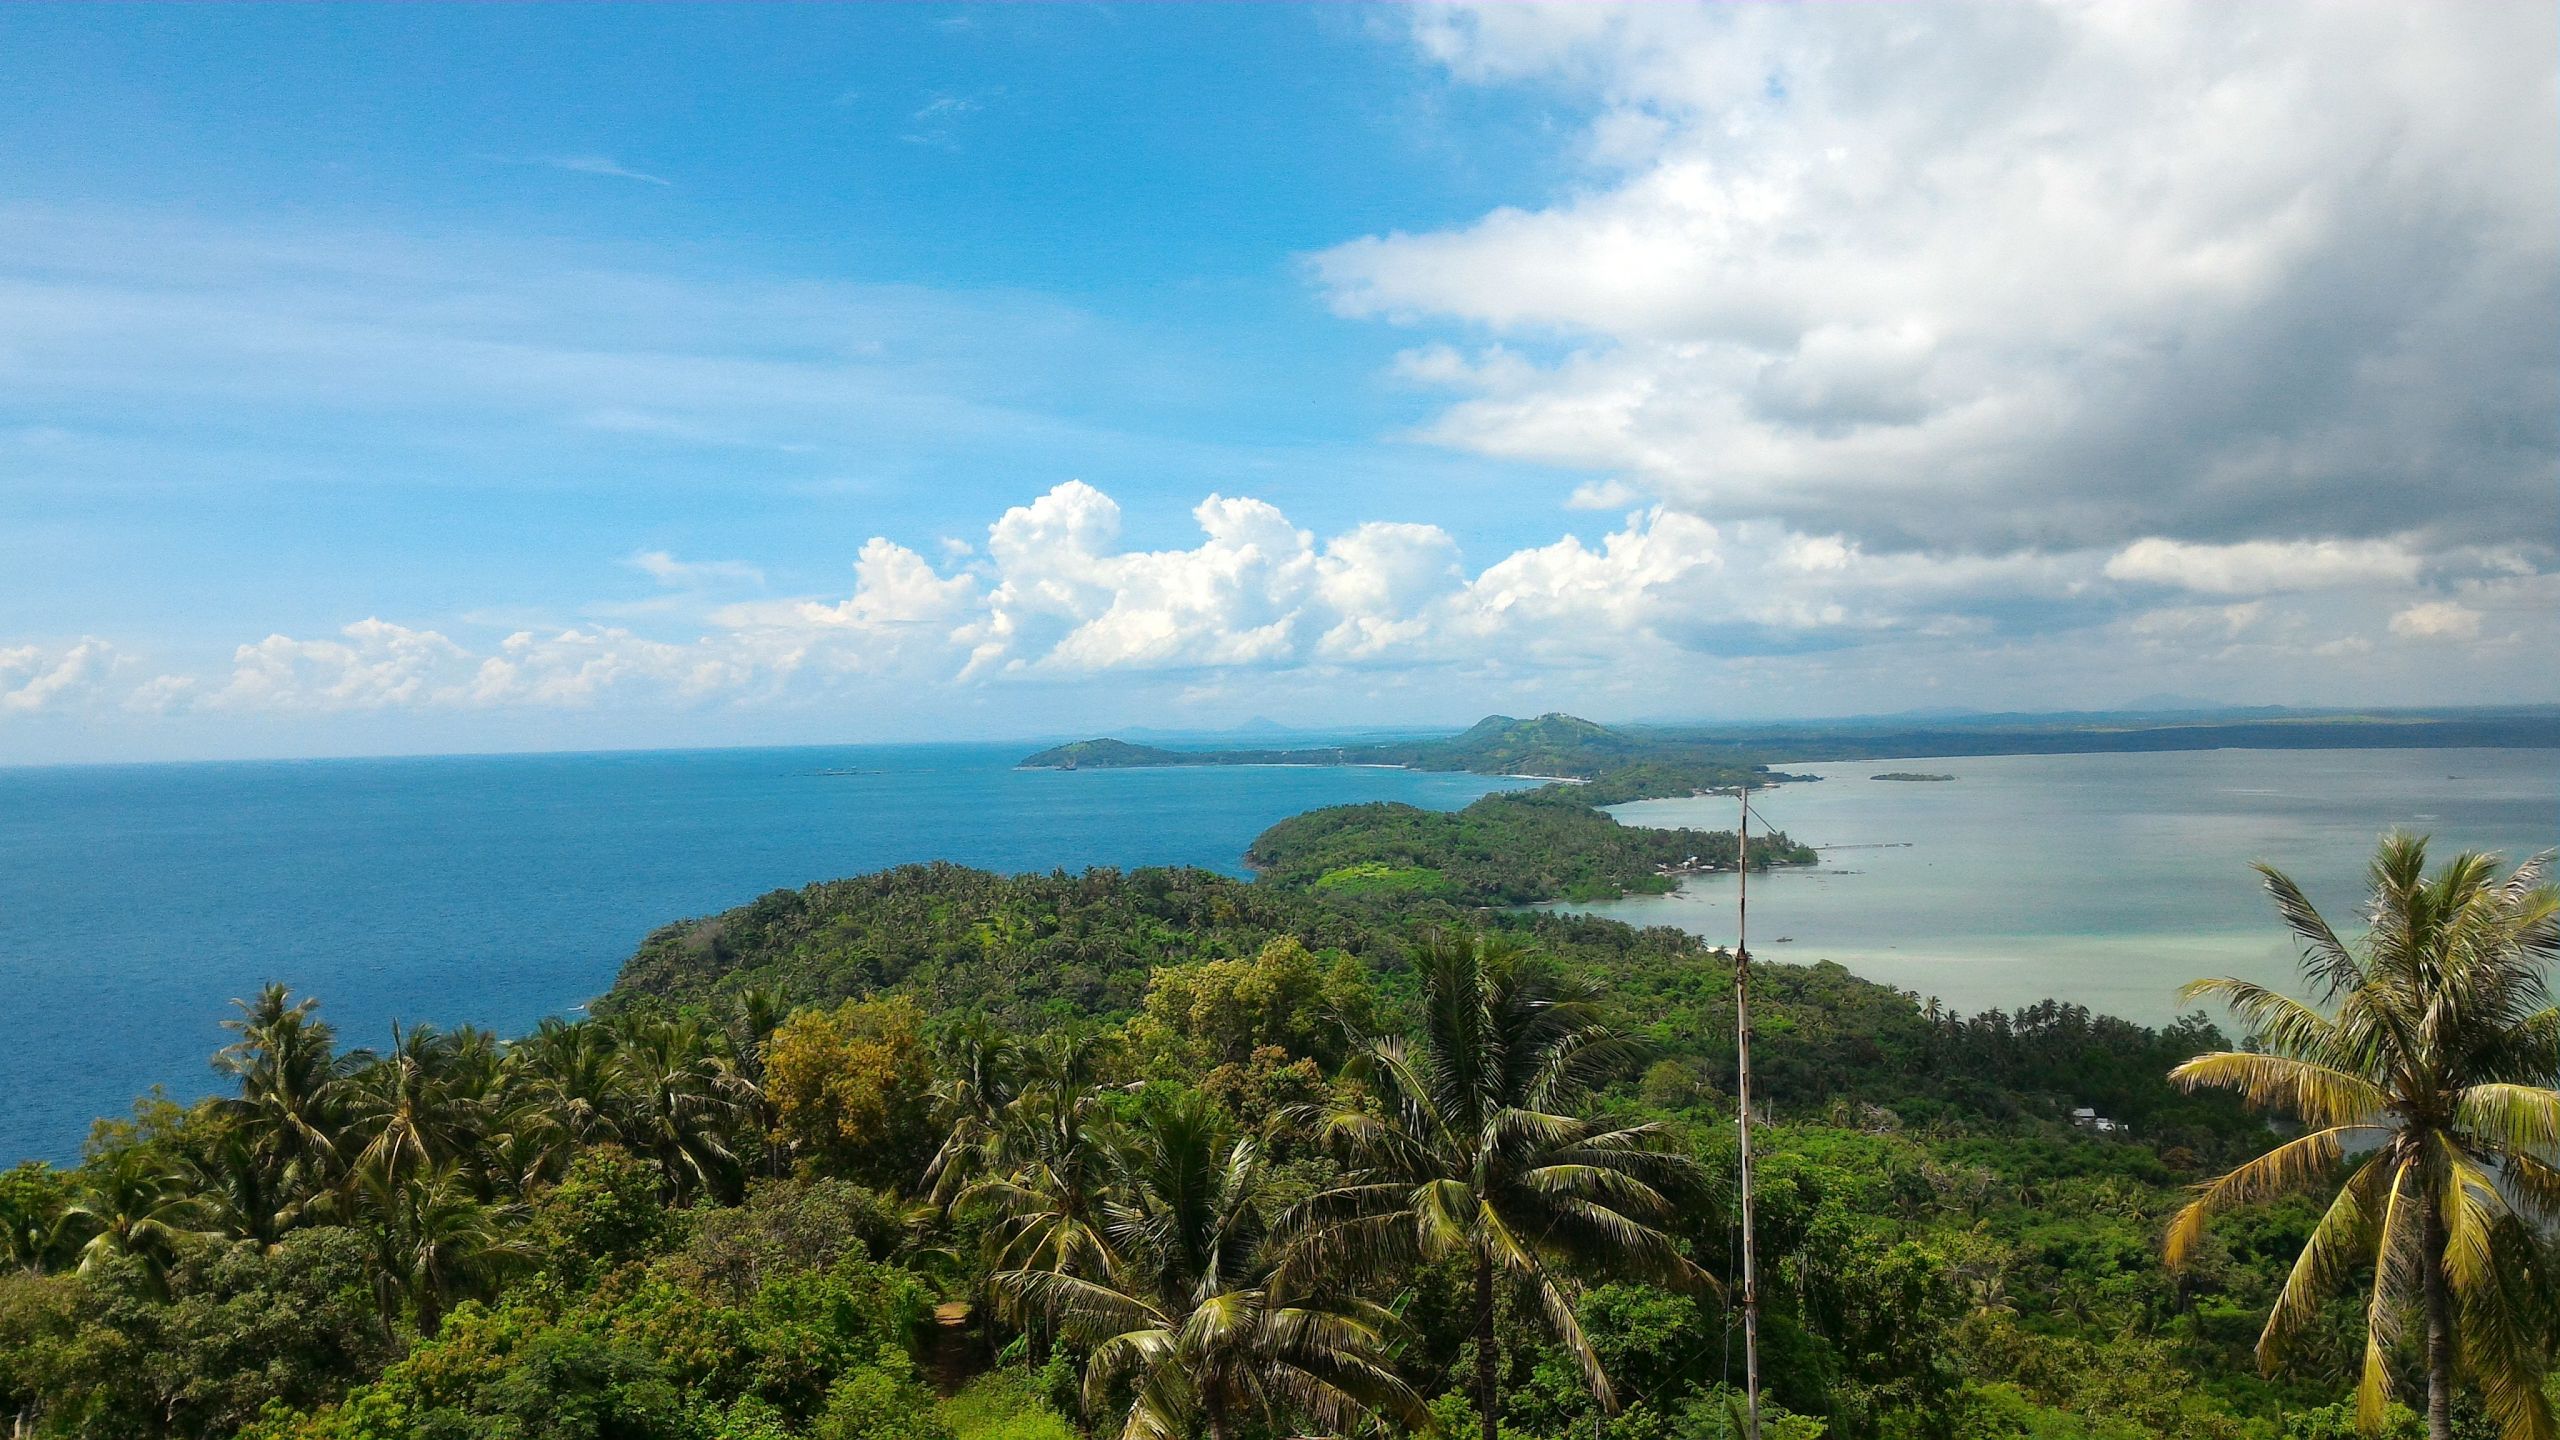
<point>2028,356</point>
<point>1053,597</point>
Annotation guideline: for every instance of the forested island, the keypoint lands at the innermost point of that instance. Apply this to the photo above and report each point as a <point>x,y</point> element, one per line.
<point>1616,765</point>
<point>1514,849</point>
<point>939,1154</point>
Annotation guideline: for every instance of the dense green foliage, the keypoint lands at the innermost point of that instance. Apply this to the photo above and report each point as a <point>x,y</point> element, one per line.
<point>943,1155</point>
<point>1545,844</point>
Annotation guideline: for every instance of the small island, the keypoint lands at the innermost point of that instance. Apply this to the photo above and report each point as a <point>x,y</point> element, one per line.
<point>1912,776</point>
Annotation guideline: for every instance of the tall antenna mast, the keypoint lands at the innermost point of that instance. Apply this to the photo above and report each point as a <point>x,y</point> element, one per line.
<point>1742,1049</point>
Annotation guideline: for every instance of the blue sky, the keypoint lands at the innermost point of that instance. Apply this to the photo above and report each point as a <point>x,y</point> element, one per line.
<point>393,378</point>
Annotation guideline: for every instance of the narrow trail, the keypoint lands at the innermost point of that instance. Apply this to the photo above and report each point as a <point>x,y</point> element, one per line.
<point>954,1353</point>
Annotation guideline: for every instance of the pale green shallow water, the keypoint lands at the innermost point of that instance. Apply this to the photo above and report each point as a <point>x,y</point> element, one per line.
<point>2108,880</point>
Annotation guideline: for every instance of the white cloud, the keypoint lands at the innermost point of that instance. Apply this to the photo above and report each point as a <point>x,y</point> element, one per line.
<point>1610,494</point>
<point>375,665</point>
<point>604,166</point>
<point>2265,567</point>
<point>667,570</point>
<point>1658,605</point>
<point>2437,620</point>
<point>1981,278</point>
<point>33,678</point>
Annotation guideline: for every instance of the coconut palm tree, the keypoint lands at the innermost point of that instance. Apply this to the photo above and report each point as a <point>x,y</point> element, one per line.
<point>979,1073</point>
<point>292,1109</point>
<point>2431,1043</point>
<point>684,1101</point>
<point>1475,1151</point>
<point>1042,1160</point>
<point>1190,1322</point>
<point>434,1240</point>
<point>415,1106</point>
<point>135,1201</point>
<point>572,1067</point>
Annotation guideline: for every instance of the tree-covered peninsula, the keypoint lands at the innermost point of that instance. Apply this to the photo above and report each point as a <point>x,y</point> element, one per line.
<point>1544,844</point>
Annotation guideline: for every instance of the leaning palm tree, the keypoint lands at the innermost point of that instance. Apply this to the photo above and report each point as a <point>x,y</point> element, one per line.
<point>1190,1324</point>
<point>2431,1043</point>
<point>1475,1150</point>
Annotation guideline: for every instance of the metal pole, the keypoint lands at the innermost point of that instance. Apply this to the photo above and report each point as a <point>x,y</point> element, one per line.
<point>1742,1048</point>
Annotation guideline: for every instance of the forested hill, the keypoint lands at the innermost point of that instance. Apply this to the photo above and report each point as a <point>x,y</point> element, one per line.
<point>1035,952</point>
<point>1618,764</point>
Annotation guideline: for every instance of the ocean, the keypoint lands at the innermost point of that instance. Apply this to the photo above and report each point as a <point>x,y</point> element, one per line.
<point>137,901</point>
<point>2106,880</point>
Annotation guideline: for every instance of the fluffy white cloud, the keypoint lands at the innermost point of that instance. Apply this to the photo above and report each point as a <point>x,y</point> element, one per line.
<point>2437,620</point>
<point>1987,277</point>
<point>1660,599</point>
<point>33,678</point>
<point>373,665</point>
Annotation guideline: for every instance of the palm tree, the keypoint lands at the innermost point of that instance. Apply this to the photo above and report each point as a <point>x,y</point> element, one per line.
<point>244,1195</point>
<point>1189,1319</point>
<point>760,1012</point>
<point>1042,1162</point>
<point>979,1073</point>
<point>573,1071</point>
<point>415,1107</point>
<point>134,1201</point>
<point>1475,1152</point>
<point>684,1100</point>
<point>292,1108</point>
<point>434,1240</point>
<point>2436,1050</point>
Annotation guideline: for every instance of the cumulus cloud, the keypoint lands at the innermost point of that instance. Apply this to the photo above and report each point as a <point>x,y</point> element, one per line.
<point>1659,598</point>
<point>2437,620</point>
<point>33,678</point>
<point>1984,278</point>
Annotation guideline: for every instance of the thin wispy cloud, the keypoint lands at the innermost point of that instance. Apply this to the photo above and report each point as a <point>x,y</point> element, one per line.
<point>667,570</point>
<point>602,166</point>
<point>936,121</point>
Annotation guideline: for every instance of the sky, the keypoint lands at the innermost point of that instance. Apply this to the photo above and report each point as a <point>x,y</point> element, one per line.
<point>408,379</point>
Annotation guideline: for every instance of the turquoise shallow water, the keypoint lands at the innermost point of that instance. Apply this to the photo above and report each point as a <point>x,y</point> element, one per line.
<point>137,901</point>
<point>2109,880</point>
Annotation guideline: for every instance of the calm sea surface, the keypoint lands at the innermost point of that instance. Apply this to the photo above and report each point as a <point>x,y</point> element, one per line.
<point>137,901</point>
<point>2109,880</point>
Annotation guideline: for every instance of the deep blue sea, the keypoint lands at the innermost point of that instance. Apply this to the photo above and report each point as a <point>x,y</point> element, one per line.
<point>136,901</point>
